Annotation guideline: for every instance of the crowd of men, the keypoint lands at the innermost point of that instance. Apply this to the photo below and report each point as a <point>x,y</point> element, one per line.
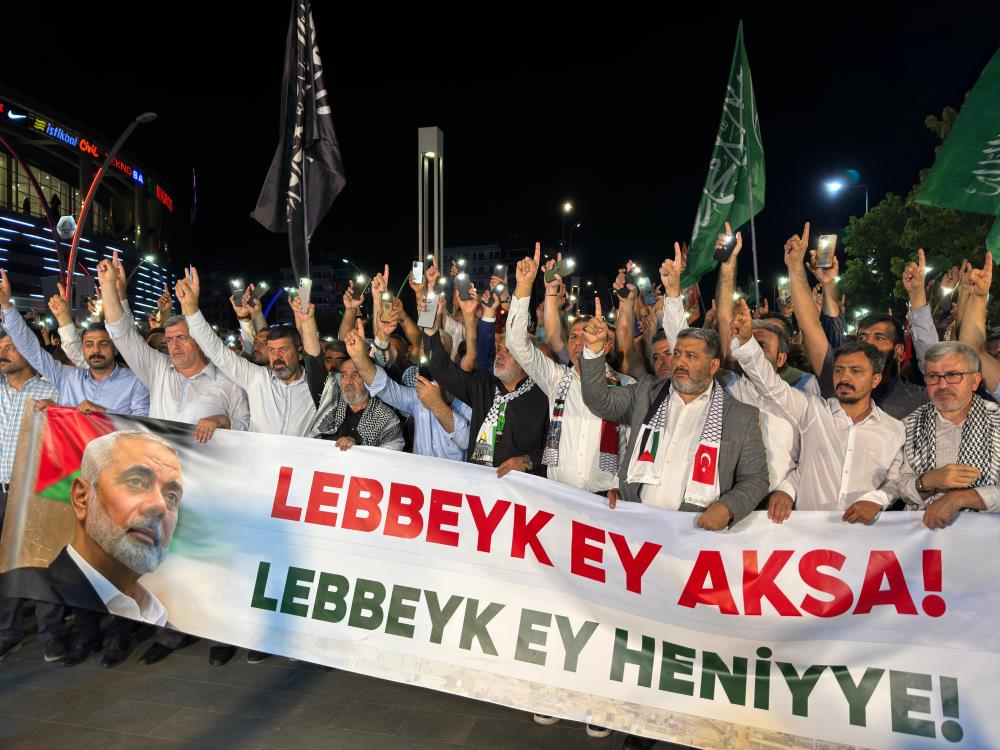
<point>772,410</point>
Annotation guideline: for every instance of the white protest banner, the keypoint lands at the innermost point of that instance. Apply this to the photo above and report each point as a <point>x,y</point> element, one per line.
<point>528,593</point>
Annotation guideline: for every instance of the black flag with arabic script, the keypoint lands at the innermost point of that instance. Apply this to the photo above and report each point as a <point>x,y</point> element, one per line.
<point>307,173</point>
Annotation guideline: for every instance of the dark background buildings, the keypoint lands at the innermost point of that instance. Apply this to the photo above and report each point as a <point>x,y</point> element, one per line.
<point>617,113</point>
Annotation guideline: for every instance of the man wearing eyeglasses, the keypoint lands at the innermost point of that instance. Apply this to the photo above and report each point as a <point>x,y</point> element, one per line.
<point>951,460</point>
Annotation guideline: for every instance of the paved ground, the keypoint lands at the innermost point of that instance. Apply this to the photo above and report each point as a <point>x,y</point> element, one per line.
<point>185,702</point>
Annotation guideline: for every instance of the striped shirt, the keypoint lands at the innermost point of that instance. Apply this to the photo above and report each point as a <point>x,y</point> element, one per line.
<point>11,410</point>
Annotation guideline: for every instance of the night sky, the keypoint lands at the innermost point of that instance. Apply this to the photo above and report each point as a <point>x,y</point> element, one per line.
<point>616,114</point>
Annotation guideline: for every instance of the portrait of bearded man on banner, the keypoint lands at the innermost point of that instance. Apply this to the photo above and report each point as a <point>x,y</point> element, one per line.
<point>125,501</point>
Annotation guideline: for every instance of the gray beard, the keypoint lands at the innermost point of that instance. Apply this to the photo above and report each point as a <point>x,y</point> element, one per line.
<point>286,373</point>
<point>358,398</point>
<point>504,373</point>
<point>692,387</point>
<point>137,556</point>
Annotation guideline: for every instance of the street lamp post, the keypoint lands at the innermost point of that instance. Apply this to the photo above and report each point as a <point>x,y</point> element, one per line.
<point>569,245</point>
<point>85,209</point>
<point>835,186</point>
<point>567,209</point>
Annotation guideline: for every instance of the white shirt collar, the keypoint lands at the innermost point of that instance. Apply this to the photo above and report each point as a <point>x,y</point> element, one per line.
<point>145,605</point>
<point>675,395</point>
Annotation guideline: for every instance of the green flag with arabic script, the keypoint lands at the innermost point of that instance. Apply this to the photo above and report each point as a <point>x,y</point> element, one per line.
<point>966,173</point>
<point>736,168</point>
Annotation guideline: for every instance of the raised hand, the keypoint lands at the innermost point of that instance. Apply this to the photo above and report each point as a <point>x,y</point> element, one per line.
<point>428,392</point>
<point>711,316</point>
<point>59,307</point>
<point>556,285</point>
<point>670,272</point>
<point>619,282</point>
<point>355,342</point>
<point>741,326</point>
<point>350,303</point>
<point>468,306</point>
<point>595,332</point>
<point>977,281</point>
<point>761,311</point>
<point>243,310</point>
<point>5,290</point>
<point>380,283</point>
<point>165,304</point>
<point>187,291</point>
<point>796,247</point>
<point>950,280</point>
<point>526,271</point>
<point>121,278</point>
<point>300,314</point>
<point>431,274</point>
<point>106,277</point>
<point>914,280</point>
<point>824,276</point>
<point>731,263</point>
<point>485,299</point>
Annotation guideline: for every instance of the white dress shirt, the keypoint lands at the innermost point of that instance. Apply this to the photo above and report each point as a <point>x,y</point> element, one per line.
<point>840,461</point>
<point>580,438</point>
<point>683,430</point>
<point>172,395</point>
<point>144,608</point>
<point>276,407</point>
<point>781,437</point>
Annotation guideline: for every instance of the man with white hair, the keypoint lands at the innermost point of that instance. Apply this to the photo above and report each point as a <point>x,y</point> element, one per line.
<point>952,449</point>
<point>348,413</point>
<point>126,502</point>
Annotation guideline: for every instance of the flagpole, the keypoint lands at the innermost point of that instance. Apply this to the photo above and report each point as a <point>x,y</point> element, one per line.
<point>305,218</point>
<point>753,243</point>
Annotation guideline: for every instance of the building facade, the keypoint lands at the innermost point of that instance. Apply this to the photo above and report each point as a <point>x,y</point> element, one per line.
<point>46,168</point>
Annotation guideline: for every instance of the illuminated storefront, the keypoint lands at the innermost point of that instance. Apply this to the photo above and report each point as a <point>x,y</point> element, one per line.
<point>132,212</point>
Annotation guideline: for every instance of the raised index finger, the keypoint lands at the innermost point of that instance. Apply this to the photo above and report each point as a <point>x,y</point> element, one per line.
<point>805,234</point>
<point>921,259</point>
<point>538,253</point>
<point>597,308</point>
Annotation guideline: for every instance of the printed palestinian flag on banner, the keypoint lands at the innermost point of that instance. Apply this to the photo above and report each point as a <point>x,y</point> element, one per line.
<point>67,433</point>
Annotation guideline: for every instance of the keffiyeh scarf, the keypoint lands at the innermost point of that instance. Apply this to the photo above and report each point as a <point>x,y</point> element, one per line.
<point>493,425</point>
<point>377,427</point>
<point>645,466</point>
<point>607,460</point>
<point>980,446</point>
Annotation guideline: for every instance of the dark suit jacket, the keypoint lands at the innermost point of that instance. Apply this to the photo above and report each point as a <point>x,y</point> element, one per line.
<point>61,583</point>
<point>743,478</point>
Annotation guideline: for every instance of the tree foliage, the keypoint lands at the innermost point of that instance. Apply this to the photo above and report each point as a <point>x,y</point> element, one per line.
<point>880,244</point>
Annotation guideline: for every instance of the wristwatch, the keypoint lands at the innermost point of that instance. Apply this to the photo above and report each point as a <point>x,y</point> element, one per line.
<point>528,465</point>
<point>920,485</point>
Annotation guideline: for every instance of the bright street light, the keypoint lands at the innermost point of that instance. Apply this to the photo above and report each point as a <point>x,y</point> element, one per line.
<point>833,187</point>
<point>567,207</point>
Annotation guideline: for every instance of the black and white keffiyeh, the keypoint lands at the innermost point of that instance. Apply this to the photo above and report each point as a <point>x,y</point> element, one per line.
<point>377,427</point>
<point>980,446</point>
